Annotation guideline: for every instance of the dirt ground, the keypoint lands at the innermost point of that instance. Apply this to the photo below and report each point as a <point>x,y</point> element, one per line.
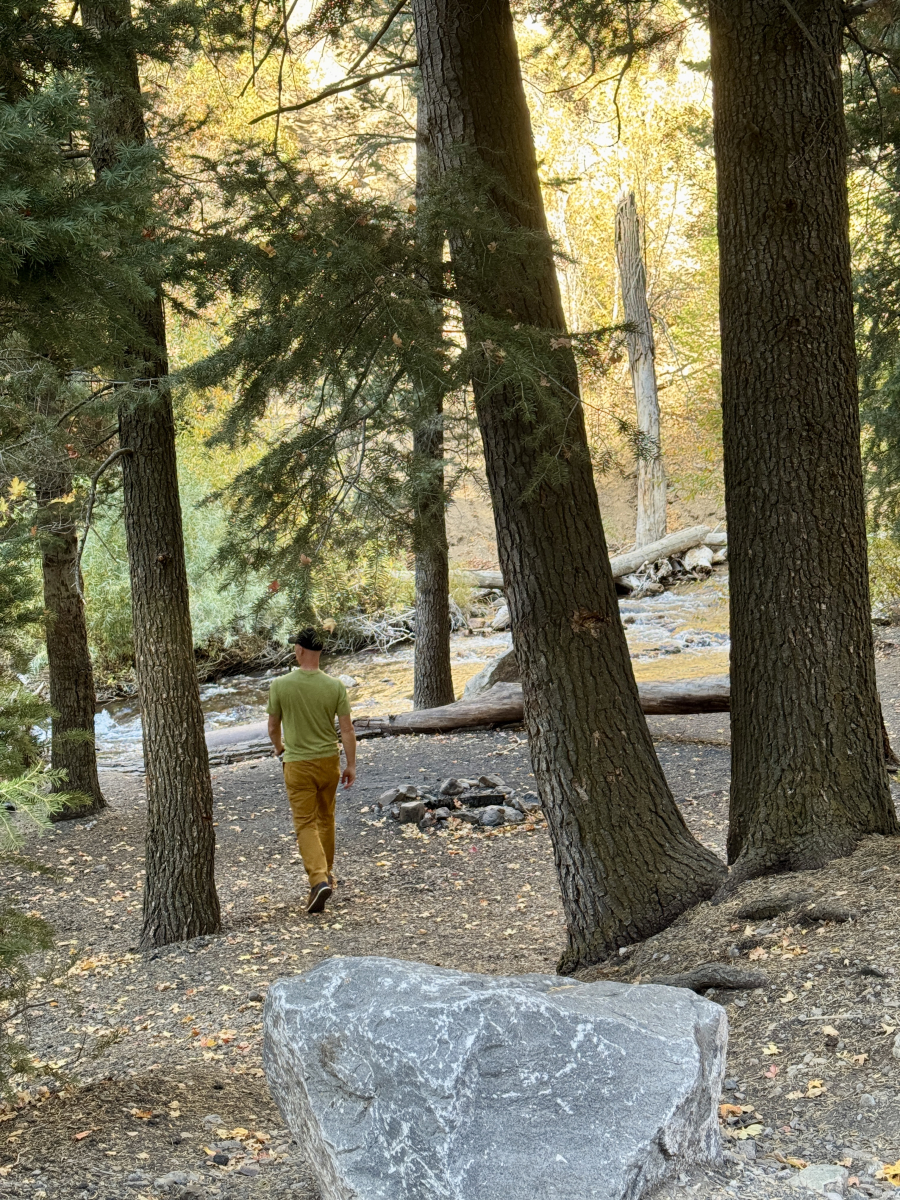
<point>177,1103</point>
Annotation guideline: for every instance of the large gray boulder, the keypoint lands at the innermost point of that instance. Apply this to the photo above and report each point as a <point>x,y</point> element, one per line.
<point>502,669</point>
<point>403,1081</point>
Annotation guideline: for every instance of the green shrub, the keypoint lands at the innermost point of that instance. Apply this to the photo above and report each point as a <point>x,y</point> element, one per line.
<point>884,573</point>
<point>237,619</point>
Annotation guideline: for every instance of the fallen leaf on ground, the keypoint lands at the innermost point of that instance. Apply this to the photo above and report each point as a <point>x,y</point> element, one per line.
<point>84,1133</point>
<point>771,1072</point>
<point>830,1031</point>
<point>771,1049</point>
<point>730,1110</point>
<point>890,1172</point>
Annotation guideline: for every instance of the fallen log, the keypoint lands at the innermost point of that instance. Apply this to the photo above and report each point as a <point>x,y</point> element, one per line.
<point>672,543</point>
<point>498,705</point>
<point>483,579</point>
<point>682,697</point>
<point>632,560</point>
<point>502,704</point>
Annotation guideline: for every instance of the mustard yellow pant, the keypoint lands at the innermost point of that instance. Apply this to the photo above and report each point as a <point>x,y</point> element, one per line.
<point>311,788</point>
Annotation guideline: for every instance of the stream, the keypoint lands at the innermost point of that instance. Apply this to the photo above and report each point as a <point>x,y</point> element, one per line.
<point>680,634</point>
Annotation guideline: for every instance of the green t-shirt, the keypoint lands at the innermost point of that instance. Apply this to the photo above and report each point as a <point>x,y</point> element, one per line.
<point>307,703</point>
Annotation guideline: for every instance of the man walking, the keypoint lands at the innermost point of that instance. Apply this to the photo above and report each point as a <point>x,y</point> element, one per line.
<point>302,708</point>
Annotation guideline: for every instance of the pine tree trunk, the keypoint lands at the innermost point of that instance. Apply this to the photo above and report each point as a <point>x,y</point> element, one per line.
<point>432,675</point>
<point>180,900</point>
<point>627,864</point>
<point>72,693</point>
<point>808,774</point>
<point>651,495</point>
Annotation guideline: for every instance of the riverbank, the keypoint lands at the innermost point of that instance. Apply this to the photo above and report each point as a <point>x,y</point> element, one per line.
<point>680,634</point>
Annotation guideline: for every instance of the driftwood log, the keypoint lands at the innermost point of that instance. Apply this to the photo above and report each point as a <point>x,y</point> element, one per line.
<point>502,704</point>
<point>499,705</point>
<point>633,560</point>
<point>672,543</point>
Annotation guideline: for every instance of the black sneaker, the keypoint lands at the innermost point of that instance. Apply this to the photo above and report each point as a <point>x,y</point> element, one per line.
<point>318,898</point>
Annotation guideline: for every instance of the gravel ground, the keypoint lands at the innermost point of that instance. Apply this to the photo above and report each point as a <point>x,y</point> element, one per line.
<point>165,1093</point>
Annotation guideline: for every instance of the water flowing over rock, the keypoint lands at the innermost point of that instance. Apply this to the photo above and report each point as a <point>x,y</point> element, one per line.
<point>403,1081</point>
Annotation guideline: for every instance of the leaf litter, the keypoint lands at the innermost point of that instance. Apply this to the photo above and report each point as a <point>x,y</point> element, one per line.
<point>187,1018</point>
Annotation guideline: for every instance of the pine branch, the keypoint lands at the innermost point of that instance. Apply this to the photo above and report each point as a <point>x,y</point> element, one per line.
<point>92,496</point>
<point>392,16</point>
<point>282,28</point>
<point>337,88</point>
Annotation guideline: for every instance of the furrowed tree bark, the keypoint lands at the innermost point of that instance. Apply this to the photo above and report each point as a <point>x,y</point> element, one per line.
<point>180,900</point>
<point>651,490</point>
<point>808,775</point>
<point>627,864</point>
<point>432,676</point>
<point>72,694</point>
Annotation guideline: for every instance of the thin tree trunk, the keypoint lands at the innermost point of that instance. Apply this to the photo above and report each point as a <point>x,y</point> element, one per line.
<point>72,693</point>
<point>808,774</point>
<point>432,676</point>
<point>651,495</point>
<point>627,864</point>
<point>180,900</point>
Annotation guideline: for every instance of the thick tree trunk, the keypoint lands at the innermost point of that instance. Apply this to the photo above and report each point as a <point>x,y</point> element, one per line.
<point>808,775</point>
<point>180,900</point>
<point>432,676</point>
<point>68,655</point>
<point>651,494</point>
<point>627,864</point>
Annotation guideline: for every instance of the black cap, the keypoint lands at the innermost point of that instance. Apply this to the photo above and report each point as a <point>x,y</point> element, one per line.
<point>309,638</point>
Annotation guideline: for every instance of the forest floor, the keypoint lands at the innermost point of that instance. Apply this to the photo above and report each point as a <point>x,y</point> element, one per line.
<point>162,1051</point>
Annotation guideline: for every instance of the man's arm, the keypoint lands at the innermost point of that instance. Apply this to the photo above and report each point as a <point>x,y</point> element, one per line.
<point>275,734</point>
<point>348,738</point>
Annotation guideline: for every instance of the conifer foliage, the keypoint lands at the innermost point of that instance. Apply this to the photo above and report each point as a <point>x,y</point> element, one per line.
<point>72,261</point>
<point>337,336</point>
